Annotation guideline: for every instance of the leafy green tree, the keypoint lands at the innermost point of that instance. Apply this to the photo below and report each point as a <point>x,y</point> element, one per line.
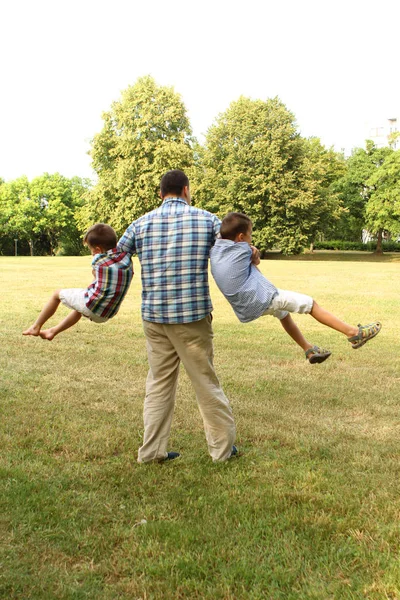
<point>318,174</point>
<point>17,213</point>
<point>145,134</point>
<point>254,161</point>
<point>355,191</point>
<point>58,200</point>
<point>42,212</point>
<point>383,207</point>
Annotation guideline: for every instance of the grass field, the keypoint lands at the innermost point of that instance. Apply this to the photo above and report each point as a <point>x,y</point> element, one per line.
<point>311,510</point>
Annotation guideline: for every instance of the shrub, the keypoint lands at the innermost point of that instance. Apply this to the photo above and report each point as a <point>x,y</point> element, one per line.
<point>359,246</point>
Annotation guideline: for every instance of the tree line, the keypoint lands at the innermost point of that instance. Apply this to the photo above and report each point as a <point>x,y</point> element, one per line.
<point>41,216</point>
<point>253,160</point>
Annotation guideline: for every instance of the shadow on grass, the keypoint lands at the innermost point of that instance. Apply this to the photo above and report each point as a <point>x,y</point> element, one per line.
<point>327,255</point>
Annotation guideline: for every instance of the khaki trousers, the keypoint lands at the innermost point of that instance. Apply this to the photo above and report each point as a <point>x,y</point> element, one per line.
<point>192,344</point>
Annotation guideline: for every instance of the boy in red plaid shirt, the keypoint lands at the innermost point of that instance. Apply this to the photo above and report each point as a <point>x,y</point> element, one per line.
<point>100,301</point>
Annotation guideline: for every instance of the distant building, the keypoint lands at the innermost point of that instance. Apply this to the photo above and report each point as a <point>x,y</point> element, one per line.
<point>380,134</point>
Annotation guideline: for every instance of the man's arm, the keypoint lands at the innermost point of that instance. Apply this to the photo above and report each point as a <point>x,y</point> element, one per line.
<point>127,243</point>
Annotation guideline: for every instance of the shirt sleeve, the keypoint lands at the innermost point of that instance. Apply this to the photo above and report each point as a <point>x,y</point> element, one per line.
<point>127,243</point>
<point>243,257</point>
<point>216,226</point>
<point>96,290</point>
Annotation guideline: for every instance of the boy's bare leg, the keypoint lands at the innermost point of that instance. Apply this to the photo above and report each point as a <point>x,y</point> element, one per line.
<point>69,321</point>
<point>291,328</point>
<point>47,312</point>
<point>326,318</point>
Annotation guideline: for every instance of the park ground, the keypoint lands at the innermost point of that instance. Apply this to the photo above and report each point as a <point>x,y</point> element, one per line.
<point>311,508</point>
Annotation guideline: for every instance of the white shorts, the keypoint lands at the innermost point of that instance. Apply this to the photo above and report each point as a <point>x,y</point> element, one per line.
<point>289,302</point>
<point>74,299</point>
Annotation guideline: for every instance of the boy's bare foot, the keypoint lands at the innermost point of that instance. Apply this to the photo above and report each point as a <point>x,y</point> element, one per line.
<point>47,334</point>
<point>32,330</point>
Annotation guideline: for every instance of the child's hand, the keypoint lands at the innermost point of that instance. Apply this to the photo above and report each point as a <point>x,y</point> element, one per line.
<point>255,255</point>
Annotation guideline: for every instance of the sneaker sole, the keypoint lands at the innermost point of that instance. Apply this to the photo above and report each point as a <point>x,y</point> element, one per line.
<point>319,358</point>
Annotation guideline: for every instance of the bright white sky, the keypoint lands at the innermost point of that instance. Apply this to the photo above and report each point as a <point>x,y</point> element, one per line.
<point>335,65</point>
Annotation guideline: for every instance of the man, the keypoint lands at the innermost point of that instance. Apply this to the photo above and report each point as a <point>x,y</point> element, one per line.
<point>173,244</point>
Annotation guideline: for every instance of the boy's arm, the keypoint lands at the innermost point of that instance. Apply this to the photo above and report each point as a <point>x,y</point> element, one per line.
<point>216,221</point>
<point>255,256</point>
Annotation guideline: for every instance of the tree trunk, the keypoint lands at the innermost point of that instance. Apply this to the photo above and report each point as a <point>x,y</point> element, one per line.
<point>312,247</point>
<point>379,249</point>
<point>30,242</point>
<point>51,244</point>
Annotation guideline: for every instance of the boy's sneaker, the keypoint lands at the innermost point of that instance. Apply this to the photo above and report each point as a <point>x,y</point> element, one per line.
<point>365,333</point>
<point>317,355</point>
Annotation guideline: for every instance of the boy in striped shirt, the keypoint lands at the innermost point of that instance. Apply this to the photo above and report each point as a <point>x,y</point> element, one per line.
<point>251,295</point>
<point>101,300</point>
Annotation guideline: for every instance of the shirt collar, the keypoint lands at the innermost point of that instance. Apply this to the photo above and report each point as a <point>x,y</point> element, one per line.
<point>175,199</point>
<point>107,253</point>
<point>224,242</point>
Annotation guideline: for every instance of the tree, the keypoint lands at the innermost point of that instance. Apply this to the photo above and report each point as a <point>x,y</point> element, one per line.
<point>58,199</point>
<point>17,213</point>
<point>355,191</point>
<point>42,212</point>
<point>383,207</point>
<point>319,172</point>
<point>145,134</point>
<point>255,161</point>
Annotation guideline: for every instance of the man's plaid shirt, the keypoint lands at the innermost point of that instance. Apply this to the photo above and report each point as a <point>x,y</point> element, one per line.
<point>113,276</point>
<point>173,244</point>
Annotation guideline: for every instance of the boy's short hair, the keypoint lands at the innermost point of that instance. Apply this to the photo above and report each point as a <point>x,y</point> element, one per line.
<point>173,182</point>
<point>101,235</point>
<point>233,224</point>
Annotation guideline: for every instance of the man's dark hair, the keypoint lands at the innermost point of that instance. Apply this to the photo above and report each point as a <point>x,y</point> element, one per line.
<point>233,224</point>
<point>173,182</point>
<point>101,235</point>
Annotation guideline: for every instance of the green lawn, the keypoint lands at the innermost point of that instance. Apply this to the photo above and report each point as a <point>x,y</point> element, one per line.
<point>311,510</point>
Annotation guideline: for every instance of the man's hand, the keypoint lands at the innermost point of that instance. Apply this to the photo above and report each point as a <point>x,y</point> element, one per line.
<point>255,255</point>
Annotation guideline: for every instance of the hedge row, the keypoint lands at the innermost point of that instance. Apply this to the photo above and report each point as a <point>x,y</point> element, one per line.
<point>368,247</point>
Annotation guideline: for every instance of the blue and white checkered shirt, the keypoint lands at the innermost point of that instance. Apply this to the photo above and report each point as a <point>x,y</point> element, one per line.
<point>242,284</point>
<point>173,244</point>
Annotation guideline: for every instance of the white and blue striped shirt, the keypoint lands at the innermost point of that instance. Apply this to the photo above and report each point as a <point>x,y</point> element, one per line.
<point>173,244</point>
<point>242,284</point>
